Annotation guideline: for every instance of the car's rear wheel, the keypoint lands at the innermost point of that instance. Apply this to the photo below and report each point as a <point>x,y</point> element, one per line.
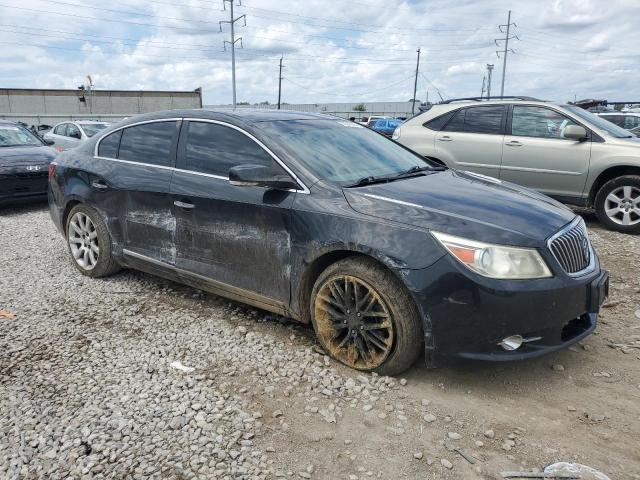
<point>618,204</point>
<point>89,242</point>
<point>365,318</point>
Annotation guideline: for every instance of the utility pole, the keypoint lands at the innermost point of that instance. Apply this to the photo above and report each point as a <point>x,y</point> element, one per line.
<point>280,83</point>
<point>415,85</point>
<point>506,50</point>
<point>484,79</point>
<point>232,21</point>
<point>489,75</point>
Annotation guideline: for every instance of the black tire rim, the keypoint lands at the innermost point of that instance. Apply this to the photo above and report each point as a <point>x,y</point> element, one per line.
<point>353,322</point>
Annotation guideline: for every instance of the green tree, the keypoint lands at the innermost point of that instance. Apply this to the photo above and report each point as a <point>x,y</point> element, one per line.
<point>361,107</point>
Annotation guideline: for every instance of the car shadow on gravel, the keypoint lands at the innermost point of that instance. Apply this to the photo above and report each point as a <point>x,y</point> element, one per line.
<point>22,207</point>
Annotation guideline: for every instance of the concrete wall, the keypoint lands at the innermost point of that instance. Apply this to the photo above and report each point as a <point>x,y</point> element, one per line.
<point>37,107</point>
<point>345,110</point>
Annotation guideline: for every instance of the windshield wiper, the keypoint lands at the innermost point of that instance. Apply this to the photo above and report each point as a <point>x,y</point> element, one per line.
<point>412,172</point>
<point>369,181</point>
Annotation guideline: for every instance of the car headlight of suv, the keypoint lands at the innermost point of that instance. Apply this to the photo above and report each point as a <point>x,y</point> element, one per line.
<point>495,261</point>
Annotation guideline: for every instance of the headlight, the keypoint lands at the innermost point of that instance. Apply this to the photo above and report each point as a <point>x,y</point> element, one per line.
<point>495,261</point>
<point>396,134</point>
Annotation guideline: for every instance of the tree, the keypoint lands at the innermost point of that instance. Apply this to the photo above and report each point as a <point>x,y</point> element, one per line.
<point>266,102</point>
<point>361,107</point>
<point>618,107</point>
<point>414,100</point>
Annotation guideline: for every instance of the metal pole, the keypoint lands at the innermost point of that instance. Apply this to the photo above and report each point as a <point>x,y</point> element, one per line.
<point>280,84</point>
<point>483,82</point>
<point>233,56</point>
<point>504,59</point>
<point>415,85</point>
<point>489,75</point>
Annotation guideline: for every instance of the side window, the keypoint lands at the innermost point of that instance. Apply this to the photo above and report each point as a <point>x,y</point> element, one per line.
<point>457,122</point>
<point>631,121</point>
<point>73,131</point>
<point>484,119</point>
<point>60,129</point>
<point>214,149</point>
<point>109,145</point>
<point>438,122</point>
<point>148,143</point>
<point>538,122</point>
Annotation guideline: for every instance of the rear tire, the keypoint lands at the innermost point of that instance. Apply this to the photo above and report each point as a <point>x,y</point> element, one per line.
<point>365,318</point>
<point>89,242</point>
<point>617,204</point>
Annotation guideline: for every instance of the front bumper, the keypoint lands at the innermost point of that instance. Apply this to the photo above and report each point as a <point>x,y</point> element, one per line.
<point>468,315</point>
<point>17,186</point>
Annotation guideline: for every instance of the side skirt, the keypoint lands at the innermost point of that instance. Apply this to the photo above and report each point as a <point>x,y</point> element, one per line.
<point>201,282</point>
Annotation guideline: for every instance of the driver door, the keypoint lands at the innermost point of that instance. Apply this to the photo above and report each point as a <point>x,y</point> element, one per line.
<point>235,236</point>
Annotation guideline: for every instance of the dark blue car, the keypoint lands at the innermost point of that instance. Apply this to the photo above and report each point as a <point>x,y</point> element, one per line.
<point>322,220</point>
<point>385,126</point>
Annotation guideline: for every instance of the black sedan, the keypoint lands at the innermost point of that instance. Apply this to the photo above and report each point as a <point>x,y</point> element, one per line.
<point>24,160</point>
<point>327,222</point>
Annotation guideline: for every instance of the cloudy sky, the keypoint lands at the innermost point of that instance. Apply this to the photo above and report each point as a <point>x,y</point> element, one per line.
<point>334,51</point>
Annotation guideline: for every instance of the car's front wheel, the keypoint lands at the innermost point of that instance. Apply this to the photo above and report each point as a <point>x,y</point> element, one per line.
<point>365,318</point>
<point>617,204</point>
<point>89,242</point>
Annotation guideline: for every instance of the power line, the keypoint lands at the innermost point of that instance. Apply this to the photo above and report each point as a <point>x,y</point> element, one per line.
<point>232,22</point>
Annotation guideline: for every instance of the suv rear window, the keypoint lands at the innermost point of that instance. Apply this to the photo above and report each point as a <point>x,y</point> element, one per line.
<point>484,119</point>
<point>438,122</point>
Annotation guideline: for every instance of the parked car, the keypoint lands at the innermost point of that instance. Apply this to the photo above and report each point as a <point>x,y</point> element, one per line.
<point>385,127</point>
<point>24,160</point>
<point>324,221</point>
<point>626,120</point>
<point>369,121</point>
<point>561,150</point>
<point>67,135</point>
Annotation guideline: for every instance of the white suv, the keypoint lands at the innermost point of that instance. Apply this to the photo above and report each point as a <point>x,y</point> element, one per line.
<point>561,150</point>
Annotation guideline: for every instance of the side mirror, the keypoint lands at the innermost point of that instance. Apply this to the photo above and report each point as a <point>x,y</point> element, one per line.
<point>575,132</point>
<point>250,175</point>
<point>48,142</point>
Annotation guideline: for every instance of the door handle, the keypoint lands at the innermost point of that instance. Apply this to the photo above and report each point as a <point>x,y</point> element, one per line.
<point>185,205</point>
<point>513,143</point>
<point>99,184</point>
<point>445,139</point>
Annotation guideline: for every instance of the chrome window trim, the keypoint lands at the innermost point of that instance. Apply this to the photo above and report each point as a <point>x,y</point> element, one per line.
<point>592,254</point>
<point>303,188</point>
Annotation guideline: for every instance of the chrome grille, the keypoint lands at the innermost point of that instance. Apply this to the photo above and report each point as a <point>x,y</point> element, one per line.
<point>571,247</point>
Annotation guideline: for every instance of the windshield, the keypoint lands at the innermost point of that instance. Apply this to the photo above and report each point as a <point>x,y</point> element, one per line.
<point>90,129</point>
<point>600,122</point>
<point>340,151</point>
<point>16,136</point>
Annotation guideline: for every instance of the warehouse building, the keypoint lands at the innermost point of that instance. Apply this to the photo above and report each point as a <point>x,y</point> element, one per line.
<point>51,106</point>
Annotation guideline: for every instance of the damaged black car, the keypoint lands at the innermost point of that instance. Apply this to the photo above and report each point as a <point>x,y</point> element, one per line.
<point>385,254</point>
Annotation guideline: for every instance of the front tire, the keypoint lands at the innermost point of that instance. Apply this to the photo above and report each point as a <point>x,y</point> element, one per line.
<point>89,242</point>
<point>617,204</point>
<point>365,318</point>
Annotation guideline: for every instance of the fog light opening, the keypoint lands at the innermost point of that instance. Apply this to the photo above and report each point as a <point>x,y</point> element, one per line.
<point>514,342</point>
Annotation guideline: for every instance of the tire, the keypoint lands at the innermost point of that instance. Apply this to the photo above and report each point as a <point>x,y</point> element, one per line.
<point>89,242</point>
<point>386,326</point>
<point>622,196</point>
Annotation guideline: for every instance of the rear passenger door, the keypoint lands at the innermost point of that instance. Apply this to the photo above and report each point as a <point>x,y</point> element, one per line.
<point>472,139</point>
<point>237,236</point>
<point>135,173</point>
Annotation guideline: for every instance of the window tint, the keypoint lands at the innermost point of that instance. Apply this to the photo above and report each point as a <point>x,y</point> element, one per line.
<point>60,129</point>
<point>538,122</point>
<point>109,145</point>
<point>484,119</point>
<point>438,122</point>
<point>148,143</point>
<point>214,149</point>
<point>72,131</point>
<point>457,122</point>
<point>631,121</point>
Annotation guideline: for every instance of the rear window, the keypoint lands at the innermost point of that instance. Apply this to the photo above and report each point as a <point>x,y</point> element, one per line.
<point>456,124</point>
<point>109,145</point>
<point>484,119</point>
<point>148,143</point>
<point>438,122</point>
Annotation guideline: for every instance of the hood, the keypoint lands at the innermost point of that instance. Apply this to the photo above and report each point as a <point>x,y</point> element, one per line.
<point>23,156</point>
<point>465,204</point>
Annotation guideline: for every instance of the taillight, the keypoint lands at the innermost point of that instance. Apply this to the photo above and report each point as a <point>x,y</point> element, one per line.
<point>52,171</point>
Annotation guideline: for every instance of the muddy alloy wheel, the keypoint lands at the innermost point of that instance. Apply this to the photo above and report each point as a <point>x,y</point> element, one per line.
<point>83,241</point>
<point>354,322</point>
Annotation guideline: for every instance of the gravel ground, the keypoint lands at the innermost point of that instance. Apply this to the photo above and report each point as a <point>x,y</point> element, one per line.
<point>136,377</point>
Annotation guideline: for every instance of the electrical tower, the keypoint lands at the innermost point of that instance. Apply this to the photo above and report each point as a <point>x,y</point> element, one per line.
<point>489,75</point>
<point>506,50</point>
<point>232,21</point>
<point>280,83</point>
<point>415,85</point>
<point>484,79</point>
